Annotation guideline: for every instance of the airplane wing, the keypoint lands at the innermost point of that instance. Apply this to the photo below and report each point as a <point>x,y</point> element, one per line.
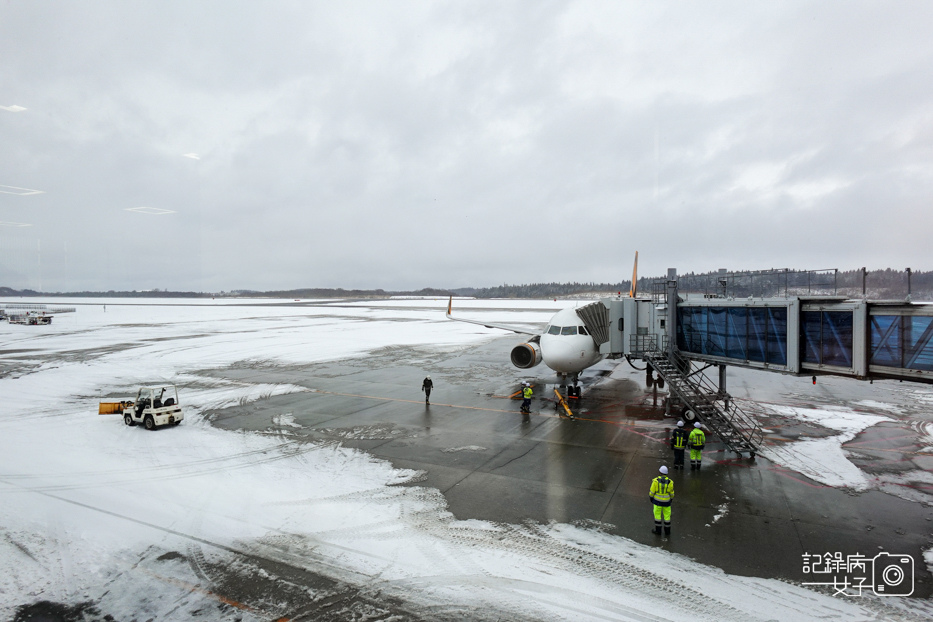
<point>520,331</point>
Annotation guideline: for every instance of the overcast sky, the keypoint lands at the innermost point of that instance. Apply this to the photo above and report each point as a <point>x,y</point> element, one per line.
<point>413,144</point>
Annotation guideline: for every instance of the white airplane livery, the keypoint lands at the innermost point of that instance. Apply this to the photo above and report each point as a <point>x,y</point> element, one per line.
<point>565,346</point>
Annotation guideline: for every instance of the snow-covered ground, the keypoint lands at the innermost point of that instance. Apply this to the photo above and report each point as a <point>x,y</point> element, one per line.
<point>823,459</point>
<point>85,498</point>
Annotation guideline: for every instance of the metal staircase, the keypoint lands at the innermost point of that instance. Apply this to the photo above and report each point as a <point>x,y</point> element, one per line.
<point>716,409</point>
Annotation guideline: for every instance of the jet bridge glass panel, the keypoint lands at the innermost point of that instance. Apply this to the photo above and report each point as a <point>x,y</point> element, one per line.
<point>745,333</point>
<point>902,341</point>
<point>826,337</point>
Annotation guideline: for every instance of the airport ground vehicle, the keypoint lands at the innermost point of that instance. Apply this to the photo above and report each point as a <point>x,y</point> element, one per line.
<point>154,407</point>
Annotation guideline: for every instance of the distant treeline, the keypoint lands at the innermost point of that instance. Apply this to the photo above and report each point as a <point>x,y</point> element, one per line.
<point>879,284</point>
<point>240,293</point>
<point>544,290</point>
<point>156,293</point>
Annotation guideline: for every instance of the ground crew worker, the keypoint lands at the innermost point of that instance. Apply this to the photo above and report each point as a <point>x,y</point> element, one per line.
<point>661,495</point>
<point>526,397</point>
<point>696,442</point>
<point>679,444</point>
<point>426,386</point>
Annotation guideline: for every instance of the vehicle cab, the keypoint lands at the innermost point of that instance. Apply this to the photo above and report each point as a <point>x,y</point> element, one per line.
<point>154,407</point>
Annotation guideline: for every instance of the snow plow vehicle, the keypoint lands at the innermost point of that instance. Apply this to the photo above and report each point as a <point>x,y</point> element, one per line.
<point>154,407</point>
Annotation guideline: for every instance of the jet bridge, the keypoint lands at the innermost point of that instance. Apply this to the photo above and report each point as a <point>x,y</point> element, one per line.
<point>800,335</point>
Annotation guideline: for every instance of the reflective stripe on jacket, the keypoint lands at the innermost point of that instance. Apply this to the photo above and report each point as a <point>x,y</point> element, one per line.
<point>662,491</point>
<point>697,439</point>
<point>678,439</point>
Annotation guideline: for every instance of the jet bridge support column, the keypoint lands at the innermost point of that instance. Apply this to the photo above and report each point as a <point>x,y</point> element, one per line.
<point>723,393</point>
<point>671,309</point>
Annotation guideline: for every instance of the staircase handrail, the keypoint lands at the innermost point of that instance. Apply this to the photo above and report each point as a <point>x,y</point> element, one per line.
<point>706,393</point>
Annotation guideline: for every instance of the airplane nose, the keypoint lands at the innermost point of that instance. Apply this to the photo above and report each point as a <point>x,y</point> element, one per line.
<point>564,357</point>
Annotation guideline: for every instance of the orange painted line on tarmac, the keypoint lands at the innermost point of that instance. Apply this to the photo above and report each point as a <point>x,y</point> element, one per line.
<point>200,590</point>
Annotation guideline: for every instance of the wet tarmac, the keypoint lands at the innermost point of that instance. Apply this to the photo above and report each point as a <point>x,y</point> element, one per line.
<point>748,517</point>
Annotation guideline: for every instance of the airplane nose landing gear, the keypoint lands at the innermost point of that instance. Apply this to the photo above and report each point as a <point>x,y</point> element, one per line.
<point>570,386</point>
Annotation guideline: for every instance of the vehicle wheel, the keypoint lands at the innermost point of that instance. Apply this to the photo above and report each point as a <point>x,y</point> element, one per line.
<point>149,422</point>
<point>660,382</point>
<point>176,423</point>
<point>128,420</point>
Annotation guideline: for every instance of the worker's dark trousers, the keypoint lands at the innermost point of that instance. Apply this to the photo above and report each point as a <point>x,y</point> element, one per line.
<point>427,395</point>
<point>678,458</point>
<point>526,404</point>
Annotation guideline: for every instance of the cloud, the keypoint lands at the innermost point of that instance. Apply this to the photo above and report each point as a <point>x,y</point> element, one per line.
<point>443,144</point>
<point>151,211</point>
<point>23,192</point>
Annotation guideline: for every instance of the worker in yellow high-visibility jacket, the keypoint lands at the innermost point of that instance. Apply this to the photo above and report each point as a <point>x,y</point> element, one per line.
<point>696,443</point>
<point>526,397</point>
<point>661,495</point>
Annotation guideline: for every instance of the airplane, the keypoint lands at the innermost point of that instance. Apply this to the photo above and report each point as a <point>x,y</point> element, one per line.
<point>565,345</point>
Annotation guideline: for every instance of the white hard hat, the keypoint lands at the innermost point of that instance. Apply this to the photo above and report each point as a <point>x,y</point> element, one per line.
<point>697,424</point>
<point>680,424</point>
<point>663,470</point>
<point>429,377</point>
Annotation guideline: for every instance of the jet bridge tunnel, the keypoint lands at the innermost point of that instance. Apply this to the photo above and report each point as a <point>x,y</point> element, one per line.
<point>802,335</point>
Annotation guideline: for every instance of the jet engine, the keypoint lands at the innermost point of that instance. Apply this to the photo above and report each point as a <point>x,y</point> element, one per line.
<point>526,355</point>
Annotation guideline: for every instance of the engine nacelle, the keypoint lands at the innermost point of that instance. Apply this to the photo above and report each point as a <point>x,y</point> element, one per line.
<point>526,355</point>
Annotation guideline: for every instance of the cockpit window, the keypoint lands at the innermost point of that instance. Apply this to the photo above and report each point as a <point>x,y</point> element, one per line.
<point>582,330</point>
<point>553,330</point>
<point>568,330</point>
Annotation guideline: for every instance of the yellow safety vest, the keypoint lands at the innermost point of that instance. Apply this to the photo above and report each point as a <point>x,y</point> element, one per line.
<point>679,438</point>
<point>697,439</point>
<point>526,393</point>
<point>662,490</point>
